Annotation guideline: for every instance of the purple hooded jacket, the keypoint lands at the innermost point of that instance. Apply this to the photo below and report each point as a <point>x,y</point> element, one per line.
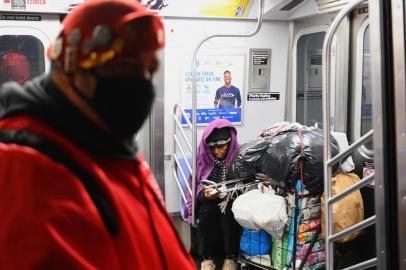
<point>205,163</point>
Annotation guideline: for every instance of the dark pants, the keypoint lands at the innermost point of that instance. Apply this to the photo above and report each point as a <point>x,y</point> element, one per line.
<point>218,234</point>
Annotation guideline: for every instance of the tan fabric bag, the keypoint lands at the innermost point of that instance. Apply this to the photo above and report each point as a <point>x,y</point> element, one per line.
<point>349,210</point>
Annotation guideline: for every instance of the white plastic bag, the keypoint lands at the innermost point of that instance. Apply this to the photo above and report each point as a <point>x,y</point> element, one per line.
<point>347,165</point>
<point>242,209</point>
<point>261,210</point>
<point>270,213</point>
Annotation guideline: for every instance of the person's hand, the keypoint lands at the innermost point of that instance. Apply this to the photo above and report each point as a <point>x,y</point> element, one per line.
<point>210,193</point>
<point>263,178</point>
<point>266,181</point>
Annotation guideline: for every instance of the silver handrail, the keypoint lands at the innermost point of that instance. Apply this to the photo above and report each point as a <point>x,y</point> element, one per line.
<point>364,139</point>
<point>176,144</point>
<point>184,114</point>
<point>179,186</point>
<point>194,96</point>
<point>182,152</point>
<point>177,124</point>
<point>327,147</point>
<point>363,265</point>
<point>182,172</point>
<point>362,183</point>
<point>357,227</point>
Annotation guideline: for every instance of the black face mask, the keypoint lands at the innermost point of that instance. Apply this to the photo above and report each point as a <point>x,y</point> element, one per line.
<point>123,103</point>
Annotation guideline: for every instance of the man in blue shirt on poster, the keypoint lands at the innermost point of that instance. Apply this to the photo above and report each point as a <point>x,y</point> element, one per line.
<point>227,96</point>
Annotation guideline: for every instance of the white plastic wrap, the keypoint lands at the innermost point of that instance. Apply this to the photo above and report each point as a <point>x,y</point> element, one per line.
<point>261,210</point>
<point>270,213</point>
<point>242,209</point>
<point>347,165</point>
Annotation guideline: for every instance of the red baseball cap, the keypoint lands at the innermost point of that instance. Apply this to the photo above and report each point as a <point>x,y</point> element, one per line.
<point>98,31</point>
<point>15,66</point>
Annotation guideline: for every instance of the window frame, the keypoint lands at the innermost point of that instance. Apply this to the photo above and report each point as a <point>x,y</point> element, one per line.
<point>299,34</point>
<point>28,31</point>
<point>367,153</point>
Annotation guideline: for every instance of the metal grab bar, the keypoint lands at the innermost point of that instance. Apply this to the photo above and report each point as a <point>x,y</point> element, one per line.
<point>181,131</point>
<point>362,183</point>
<point>178,125</point>
<point>363,265</point>
<point>194,96</point>
<point>367,136</point>
<point>357,227</point>
<point>182,152</point>
<point>182,172</point>
<point>329,239</point>
<point>184,114</point>
<point>176,144</point>
<point>179,186</point>
<point>326,74</point>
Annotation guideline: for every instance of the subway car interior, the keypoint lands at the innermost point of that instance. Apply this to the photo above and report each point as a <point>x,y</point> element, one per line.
<point>331,71</point>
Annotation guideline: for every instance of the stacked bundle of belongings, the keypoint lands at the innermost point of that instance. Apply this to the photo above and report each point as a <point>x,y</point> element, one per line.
<point>261,213</point>
<point>304,247</point>
<point>290,156</point>
<point>283,152</point>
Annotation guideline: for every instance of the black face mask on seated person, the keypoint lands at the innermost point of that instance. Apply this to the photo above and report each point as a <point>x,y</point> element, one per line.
<point>122,102</point>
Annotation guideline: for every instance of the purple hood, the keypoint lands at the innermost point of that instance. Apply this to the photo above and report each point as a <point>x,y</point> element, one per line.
<point>205,163</point>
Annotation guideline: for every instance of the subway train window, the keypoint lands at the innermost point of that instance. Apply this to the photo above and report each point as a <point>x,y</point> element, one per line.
<point>309,80</point>
<point>366,105</point>
<point>21,58</point>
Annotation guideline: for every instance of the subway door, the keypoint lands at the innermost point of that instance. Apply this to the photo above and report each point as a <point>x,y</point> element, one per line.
<point>360,117</point>
<point>307,101</point>
<point>23,43</point>
<point>308,79</point>
<point>307,106</point>
<point>360,91</point>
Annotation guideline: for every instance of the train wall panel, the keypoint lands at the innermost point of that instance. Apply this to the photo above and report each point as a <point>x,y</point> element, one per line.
<point>182,36</point>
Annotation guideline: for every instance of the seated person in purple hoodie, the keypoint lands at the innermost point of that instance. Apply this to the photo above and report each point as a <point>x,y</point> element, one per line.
<point>218,233</point>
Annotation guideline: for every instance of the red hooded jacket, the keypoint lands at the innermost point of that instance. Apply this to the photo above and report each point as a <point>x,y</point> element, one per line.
<point>49,221</point>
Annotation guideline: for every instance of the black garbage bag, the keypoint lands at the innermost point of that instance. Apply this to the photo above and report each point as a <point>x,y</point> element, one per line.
<point>279,156</point>
<point>247,161</point>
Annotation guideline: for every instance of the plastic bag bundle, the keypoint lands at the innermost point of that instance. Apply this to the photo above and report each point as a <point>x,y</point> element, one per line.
<point>302,250</point>
<point>278,154</point>
<point>281,160</point>
<point>307,230</point>
<point>254,243</point>
<point>313,260</point>
<point>261,210</point>
<point>279,252</point>
<point>247,161</point>
<point>270,214</point>
<point>242,209</point>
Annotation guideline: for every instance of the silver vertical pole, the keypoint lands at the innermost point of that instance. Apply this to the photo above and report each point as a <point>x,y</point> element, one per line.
<point>326,129</point>
<point>194,98</point>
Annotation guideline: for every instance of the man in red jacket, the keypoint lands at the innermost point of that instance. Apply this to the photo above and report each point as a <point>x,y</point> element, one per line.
<point>74,194</point>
